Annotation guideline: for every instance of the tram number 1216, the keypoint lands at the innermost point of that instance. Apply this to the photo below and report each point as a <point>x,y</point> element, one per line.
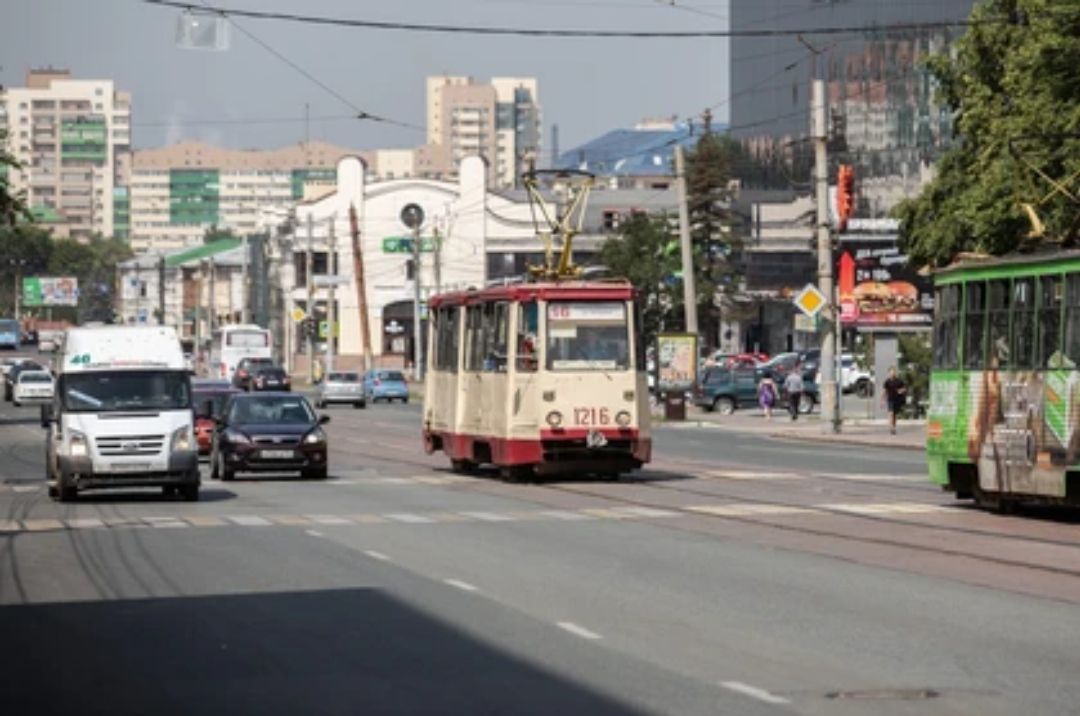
<point>592,416</point>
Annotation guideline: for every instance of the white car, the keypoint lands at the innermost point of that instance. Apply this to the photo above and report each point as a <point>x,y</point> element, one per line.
<point>853,377</point>
<point>33,386</point>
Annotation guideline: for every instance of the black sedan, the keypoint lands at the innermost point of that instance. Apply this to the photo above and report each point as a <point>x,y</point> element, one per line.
<point>270,379</point>
<point>269,432</point>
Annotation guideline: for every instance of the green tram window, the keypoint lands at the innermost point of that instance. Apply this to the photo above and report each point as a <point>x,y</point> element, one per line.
<point>1051,297</point>
<point>999,301</point>
<point>1023,323</point>
<point>1072,321</point>
<point>947,327</point>
<point>975,326</point>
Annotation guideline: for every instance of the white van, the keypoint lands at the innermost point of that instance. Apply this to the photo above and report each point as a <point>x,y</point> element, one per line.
<point>121,415</point>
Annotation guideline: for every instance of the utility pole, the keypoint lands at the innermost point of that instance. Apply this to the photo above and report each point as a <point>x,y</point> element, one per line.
<point>418,348</point>
<point>331,311</point>
<point>161,293</point>
<point>689,287</point>
<point>437,259</point>
<point>212,302</point>
<point>829,394</point>
<point>361,287</point>
<point>310,297</point>
<point>245,293</point>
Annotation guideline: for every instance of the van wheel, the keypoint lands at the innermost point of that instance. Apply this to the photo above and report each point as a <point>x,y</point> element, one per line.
<point>189,493</point>
<point>724,405</point>
<point>65,492</point>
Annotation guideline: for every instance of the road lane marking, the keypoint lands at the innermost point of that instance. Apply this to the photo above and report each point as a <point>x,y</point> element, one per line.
<point>885,508</point>
<point>604,513</point>
<point>367,519</point>
<point>290,520</point>
<point>578,630</point>
<point>565,515</point>
<point>313,533</point>
<point>408,518</point>
<point>79,523</point>
<point>26,488</point>
<point>42,525</point>
<point>327,519</point>
<point>488,516</point>
<point>646,512</point>
<point>249,520</point>
<point>754,692</point>
<point>377,555</point>
<point>464,586</point>
<point>749,510</point>
<point>10,526</point>
<point>450,517</point>
<point>205,521</point>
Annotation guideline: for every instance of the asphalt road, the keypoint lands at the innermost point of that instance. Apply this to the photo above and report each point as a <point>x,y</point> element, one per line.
<point>736,575</point>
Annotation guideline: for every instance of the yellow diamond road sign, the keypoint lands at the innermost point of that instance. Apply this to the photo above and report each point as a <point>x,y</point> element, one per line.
<point>298,314</point>
<point>810,300</point>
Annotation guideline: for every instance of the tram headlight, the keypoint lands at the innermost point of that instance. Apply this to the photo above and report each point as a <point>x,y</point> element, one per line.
<point>554,418</point>
<point>623,418</point>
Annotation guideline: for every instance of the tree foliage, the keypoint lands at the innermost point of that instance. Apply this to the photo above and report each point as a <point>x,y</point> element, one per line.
<point>12,204</point>
<point>646,253</point>
<point>1014,88</point>
<point>216,233</point>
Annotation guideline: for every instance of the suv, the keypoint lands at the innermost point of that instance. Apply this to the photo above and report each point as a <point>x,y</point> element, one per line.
<point>725,389</point>
<point>246,370</point>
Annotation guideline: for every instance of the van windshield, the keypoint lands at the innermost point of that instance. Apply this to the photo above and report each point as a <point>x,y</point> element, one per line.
<point>131,390</point>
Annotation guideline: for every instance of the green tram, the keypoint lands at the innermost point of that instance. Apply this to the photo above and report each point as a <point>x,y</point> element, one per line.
<point>1004,418</point>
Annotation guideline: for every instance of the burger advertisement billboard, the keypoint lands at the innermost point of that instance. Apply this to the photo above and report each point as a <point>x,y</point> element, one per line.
<point>879,288</point>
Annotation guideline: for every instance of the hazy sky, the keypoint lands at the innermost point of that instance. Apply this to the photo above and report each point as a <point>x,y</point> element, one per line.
<point>586,86</point>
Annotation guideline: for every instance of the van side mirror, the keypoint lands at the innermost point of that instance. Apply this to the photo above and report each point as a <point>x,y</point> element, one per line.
<point>47,415</point>
<point>324,419</point>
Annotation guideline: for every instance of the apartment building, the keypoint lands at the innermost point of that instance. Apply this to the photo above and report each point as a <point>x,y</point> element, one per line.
<point>499,121</point>
<point>180,191</point>
<point>73,139</point>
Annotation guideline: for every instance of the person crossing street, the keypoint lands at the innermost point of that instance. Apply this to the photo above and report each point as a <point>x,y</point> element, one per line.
<point>793,386</point>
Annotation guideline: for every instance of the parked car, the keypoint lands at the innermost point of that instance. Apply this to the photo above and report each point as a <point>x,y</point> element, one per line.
<point>208,398</point>
<point>735,360</point>
<point>388,385</point>
<point>12,376</point>
<point>342,387</point>
<point>246,369</point>
<point>272,378</point>
<point>269,432</point>
<point>33,387</point>
<point>726,389</point>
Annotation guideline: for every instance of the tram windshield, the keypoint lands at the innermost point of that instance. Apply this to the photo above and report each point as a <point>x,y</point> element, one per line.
<point>587,335</point>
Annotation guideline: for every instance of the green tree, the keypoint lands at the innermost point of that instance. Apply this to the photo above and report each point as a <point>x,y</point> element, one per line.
<point>1013,85</point>
<point>24,251</point>
<point>646,253</point>
<point>12,204</point>
<point>717,247</point>
<point>215,233</point>
<point>94,263</point>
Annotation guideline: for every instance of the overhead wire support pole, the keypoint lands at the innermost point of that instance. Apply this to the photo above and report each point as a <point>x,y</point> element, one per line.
<point>331,309</point>
<point>830,397</point>
<point>308,266</point>
<point>689,284</point>
<point>418,348</point>
<point>361,287</point>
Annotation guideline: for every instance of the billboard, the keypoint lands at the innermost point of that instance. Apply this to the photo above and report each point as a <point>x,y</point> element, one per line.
<point>678,361</point>
<point>878,287</point>
<point>50,291</point>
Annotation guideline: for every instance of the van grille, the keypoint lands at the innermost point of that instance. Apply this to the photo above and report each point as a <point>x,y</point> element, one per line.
<point>131,445</point>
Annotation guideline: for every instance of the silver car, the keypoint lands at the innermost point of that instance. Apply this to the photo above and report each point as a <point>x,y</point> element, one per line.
<point>341,387</point>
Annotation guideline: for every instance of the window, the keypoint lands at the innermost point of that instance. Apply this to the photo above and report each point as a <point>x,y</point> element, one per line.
<point>527,330</point>
<point>999,300</point>
<point>1023,323</point>
<point>587,336</point>
<point>1072,323</point>
<point>975,326</point>
<point>447,350</point>
<point>946,328</point>
<point>496,330</point>
<point>1050,302</point>
<point>474,338</point>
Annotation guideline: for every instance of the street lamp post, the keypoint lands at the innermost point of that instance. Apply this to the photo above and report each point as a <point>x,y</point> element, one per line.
<point>17,265</point>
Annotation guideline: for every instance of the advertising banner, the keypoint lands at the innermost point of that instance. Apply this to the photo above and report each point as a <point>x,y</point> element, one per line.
<point>677,353</point>
<point>878,287</point>
<point>50,291</point>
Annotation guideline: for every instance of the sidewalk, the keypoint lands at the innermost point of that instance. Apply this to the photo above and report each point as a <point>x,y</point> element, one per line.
<point>910,434</point>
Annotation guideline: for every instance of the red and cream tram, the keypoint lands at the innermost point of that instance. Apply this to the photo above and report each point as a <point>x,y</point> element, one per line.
<point>538,378</point>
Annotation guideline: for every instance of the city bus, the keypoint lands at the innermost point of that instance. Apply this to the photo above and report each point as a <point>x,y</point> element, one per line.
<point>231,343</point>
<point>537,379</point>
<point>1004,419</point>
<point>10,333</point>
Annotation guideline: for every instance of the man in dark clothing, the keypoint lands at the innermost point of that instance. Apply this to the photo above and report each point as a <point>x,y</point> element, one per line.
<point>895,395</point>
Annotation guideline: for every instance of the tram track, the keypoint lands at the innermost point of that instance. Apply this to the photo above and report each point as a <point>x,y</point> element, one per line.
<point>794,528</point>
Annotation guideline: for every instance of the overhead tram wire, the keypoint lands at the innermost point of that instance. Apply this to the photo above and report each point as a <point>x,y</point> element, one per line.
<point>243,121</point>
<point>554,32</point>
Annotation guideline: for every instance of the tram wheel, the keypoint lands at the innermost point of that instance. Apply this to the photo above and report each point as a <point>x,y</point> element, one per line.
<point>462,467</point>
<point>516,473</point>
<point>993,502</point>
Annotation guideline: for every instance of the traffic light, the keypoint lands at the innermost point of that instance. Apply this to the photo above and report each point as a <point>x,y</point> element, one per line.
<point>845,194</point>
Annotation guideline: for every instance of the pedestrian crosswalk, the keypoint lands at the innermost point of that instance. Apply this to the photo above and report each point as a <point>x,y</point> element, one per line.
<point>485,517</point>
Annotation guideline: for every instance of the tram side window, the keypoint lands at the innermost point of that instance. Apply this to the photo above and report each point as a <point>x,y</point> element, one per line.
<point>975,323</point>
<point>1072,322</point>
<point>496,328</point>
<point>446,351</point>
<point>528,327</point>
<point>1050,299</point>
<point>948,325</point>
<point>474,338</point>
<point>999,303</point>
<point>1023,322</point>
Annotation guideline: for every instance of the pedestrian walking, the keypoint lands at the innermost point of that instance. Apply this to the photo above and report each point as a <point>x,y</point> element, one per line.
<point>793,386</point>
<point>767,393</point>
<point>894,396</point>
